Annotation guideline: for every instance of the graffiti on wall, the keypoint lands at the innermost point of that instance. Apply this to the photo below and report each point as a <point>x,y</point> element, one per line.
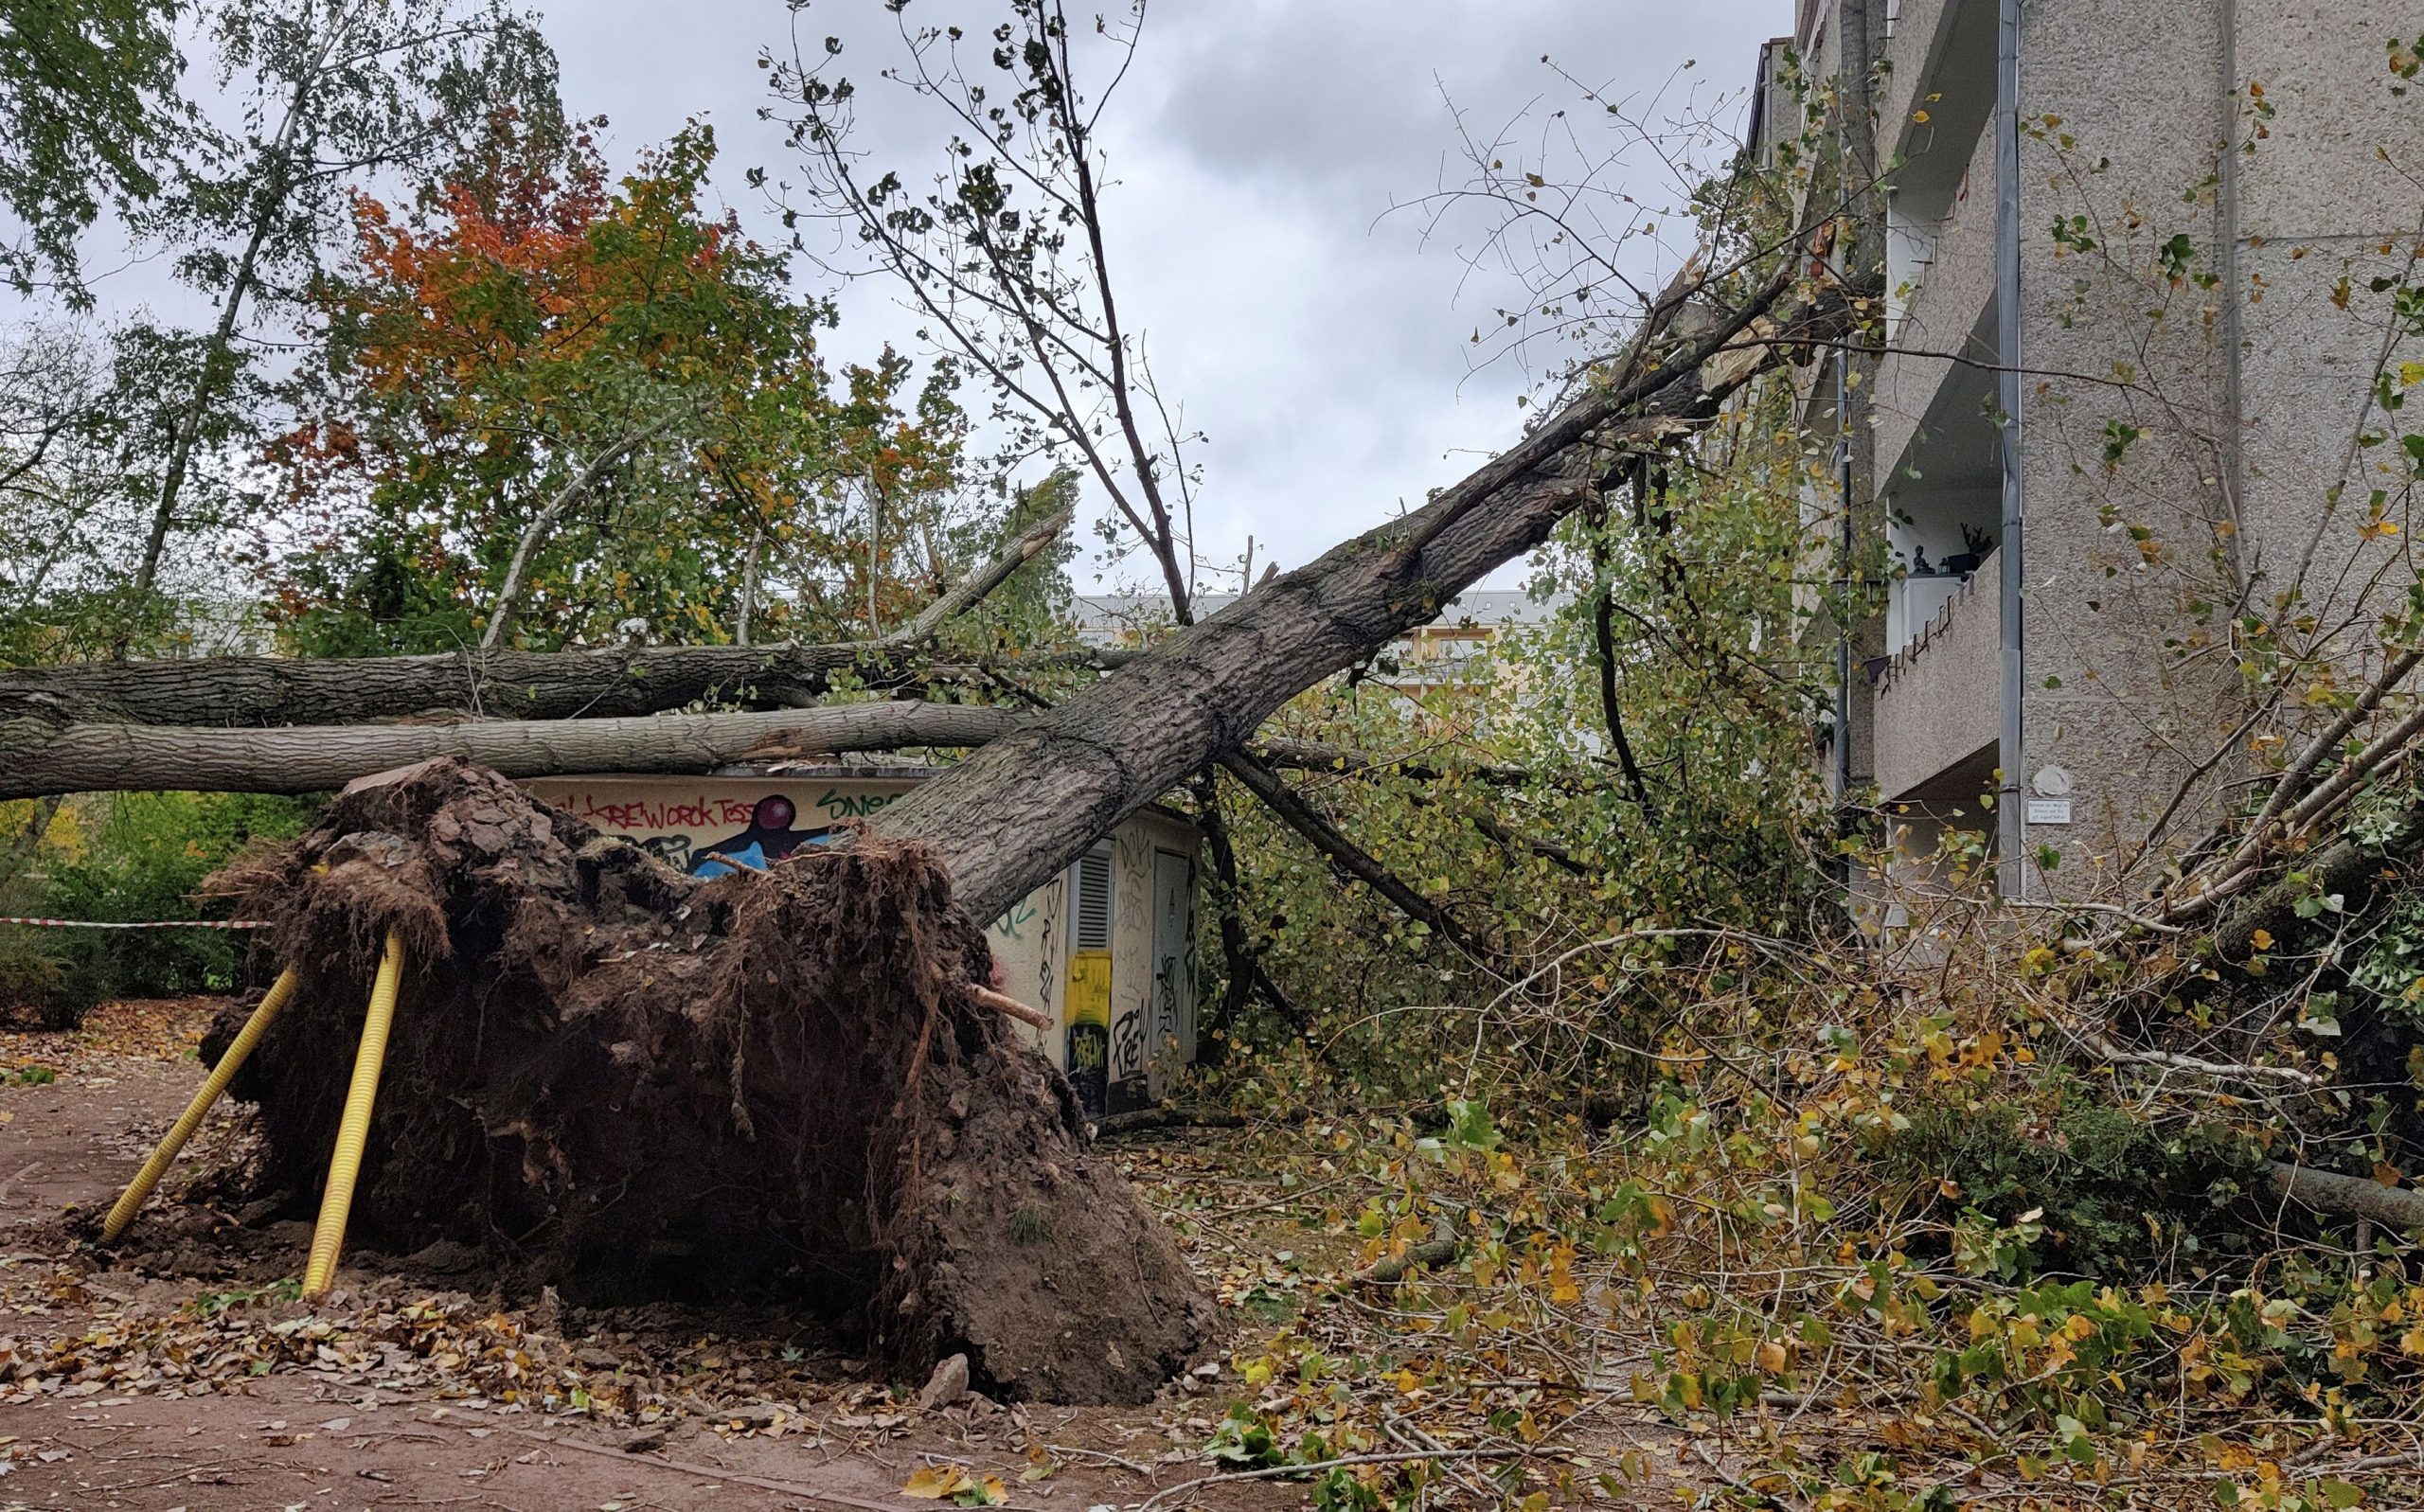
<point>1128,1048</point>
<point>1131,1027</point>
<point>1088,1013</point>
<point>1166,1004</point>
<point>752,832</point>
<point>768,838</point>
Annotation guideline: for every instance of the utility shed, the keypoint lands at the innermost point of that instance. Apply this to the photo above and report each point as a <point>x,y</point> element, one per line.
<point>1107,948</point>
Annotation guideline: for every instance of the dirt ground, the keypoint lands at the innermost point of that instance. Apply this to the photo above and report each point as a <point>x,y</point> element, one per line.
<point>181,1372</point>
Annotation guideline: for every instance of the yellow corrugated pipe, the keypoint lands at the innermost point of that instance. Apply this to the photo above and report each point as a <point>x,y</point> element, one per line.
<point>353,1130</point>
<point>139,1190</point>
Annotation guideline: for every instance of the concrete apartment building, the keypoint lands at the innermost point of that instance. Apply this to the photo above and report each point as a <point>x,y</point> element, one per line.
<point>2123,226</point>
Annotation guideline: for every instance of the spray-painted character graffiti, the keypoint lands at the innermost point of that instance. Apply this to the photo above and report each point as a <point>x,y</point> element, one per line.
<point>769,838</point>
<point>674,850</point>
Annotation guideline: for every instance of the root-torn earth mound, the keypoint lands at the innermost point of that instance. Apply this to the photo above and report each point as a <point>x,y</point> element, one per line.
<point>635,1085</point>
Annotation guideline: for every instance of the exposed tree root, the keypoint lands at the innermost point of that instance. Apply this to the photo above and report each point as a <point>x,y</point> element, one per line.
<point>633,1084</point>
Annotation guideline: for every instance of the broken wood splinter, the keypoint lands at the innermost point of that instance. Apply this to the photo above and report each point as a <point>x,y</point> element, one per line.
<point>985,997</point>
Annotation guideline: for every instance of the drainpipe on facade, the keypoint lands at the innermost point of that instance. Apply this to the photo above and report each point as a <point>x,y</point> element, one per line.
<point>2234,467</point>
<point>1855,56</point>
<point>2011,830</point>
<point>1842,603</point>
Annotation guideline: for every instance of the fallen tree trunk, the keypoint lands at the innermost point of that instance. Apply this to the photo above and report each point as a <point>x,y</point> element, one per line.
<point>1029,804</point>
<point>1008,818</point>
<point>787,1085</point>
<point>36,757</point>
<point>491,683</point>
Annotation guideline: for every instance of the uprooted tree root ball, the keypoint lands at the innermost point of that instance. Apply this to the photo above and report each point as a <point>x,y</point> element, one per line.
<point>633,1084</point>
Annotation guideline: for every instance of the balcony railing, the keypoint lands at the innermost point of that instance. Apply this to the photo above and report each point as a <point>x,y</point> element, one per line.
<point>1933,705</point>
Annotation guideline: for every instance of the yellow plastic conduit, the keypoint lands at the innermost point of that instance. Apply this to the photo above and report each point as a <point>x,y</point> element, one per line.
<point>328,1235</point>
<point>139,1190</point>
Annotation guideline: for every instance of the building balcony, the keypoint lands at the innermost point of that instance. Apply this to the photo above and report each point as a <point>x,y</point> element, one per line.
<point>1937,696</point>
<point>1941,60</point>
<point>1940,278</point>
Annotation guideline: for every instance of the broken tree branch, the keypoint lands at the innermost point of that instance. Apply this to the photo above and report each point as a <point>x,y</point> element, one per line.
<point>2394,1207</point>
<point>1427,1255</point>
<point>985,997</point>
<point>1354,860</point>
<point>1603,634</point>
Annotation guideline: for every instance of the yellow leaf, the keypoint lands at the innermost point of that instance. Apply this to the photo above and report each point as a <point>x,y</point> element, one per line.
<point>935,1482</point>
<point>2261,939</point>
<point>2411,374</point>
<point>1920,116</point>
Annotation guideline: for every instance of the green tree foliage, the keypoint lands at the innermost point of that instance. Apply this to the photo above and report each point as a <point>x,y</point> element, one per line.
<point>1510,807</point>
<point>88,103</point>
<point>596,405</point>
<point>326,96</point>
<point>133,857</point>
<point>129,492</point>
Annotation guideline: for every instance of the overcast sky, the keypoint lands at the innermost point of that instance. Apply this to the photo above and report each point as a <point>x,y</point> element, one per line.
<point>1317,341</point>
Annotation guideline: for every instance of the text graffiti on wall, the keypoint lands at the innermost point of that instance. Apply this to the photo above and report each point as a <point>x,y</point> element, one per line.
<point>632,817</point>
<point>762,829</point>
<point>1166,1006</point>
<point>1128,1048</point>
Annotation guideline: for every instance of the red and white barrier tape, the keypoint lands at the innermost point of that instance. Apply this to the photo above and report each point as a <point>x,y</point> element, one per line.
<point>171,923</point>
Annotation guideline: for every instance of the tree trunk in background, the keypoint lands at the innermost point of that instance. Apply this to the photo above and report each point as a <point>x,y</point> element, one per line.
<point>256,690</point>
<point>20,850</point>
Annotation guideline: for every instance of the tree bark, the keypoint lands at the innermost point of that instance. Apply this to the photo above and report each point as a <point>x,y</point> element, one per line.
<point>20,852</point>
<point>1025,806</point>
<point>40,759</point>
<point>37,757</point>
<point>606,682</point>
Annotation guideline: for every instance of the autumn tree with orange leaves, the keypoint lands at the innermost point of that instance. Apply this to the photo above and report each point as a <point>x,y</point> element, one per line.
<point>552,408</point>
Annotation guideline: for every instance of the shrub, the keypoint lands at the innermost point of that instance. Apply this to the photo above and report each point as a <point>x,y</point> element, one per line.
<point>2114,1197</point>
<point>134,856</point>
